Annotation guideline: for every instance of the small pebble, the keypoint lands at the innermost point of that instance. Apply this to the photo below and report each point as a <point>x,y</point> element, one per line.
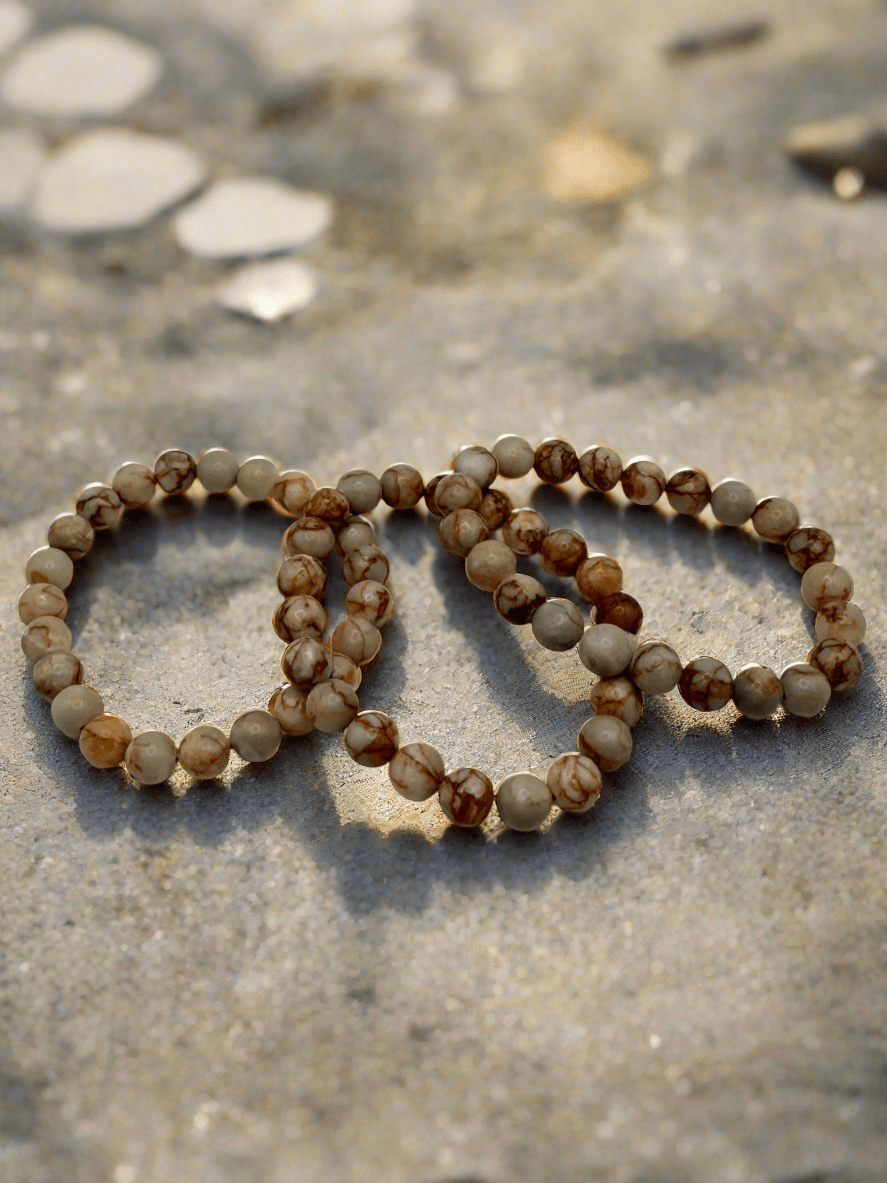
<point>854,143</point>
<point>585,165</point>
<point>269,291</point>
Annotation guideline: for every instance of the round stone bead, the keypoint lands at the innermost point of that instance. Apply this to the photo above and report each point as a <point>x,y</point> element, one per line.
<point>524,531</point>
<point>839,661</point>
<point>655,667</point>
<point>302,575</point>
<point>757,691</point>
<point>100,505</point>
<point>457,491</point>
<point>466,796</point>
<point>562,551</point>
<point>842,620</point>
<point>217,470</point>
<point>495,507</point>
<point>356,638</point>
<point>365,562</point>
<point>430,494</point>
<point>523,801</point>
<point>255,736</point>
<point>287,705</point>
<point>619,697</point>
<point>461,530</point>
<point>151,757</point>
<point>346,671</point>
<point>330,505</point>
<point>73,707</point>
<point>306,661</point>
<point>45,599</point>
<point>299,616</point>
<point>643,481</point>
<point>175,470</point>
<point>688,491</point>
<point>54,671</point>
<point>600,468</point>
<point>204,752</point>
<point>362,489</point>
<point>514,455</point>
<point>809,545</point>
<point>732,502</point>
<point>775,519</point>
<point>620,609</point>
<point>256,478</point>
<point>372,738</point>
<point>557,625</point>
<point>72,534</point>
<point>309,536</point>
<point>416,770</point>
<point>806,689</point>
<point>606,740</point>
<point>104,741</point>
<point>518,598</point>
<point>48,564</point>
<point>823,583</point>
<point>371,600</point>
<point>292,491</point>
<point>135,484</point>
<point>574,782</point>
<point>488,563</point>
<point>402,486</point>
<point>606,649</point>
<point>332,705</point>
<point>706,684</point>
<point>478,463</point>
<point>354,532</point>
<point>43,635</point>
<point>597,577</point>
<point>555,461</point>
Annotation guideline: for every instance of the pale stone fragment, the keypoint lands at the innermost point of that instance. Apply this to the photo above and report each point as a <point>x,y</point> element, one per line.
<point>251,216</point>
<point>584,164</point>
<point>269,291</point>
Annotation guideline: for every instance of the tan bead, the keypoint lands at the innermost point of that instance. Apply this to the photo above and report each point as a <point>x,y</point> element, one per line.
<point>478,463</point>
<point>416,771</point>
<point>302,575</point>
<point>104,740</point>
<point>299,616</point>
<point>355,532</point>
<point>365,562</point>
<point>838,660</point>
<point>518,597</point>
<point>135,485</point>
<point>255,736</point>
<point>617,696</point>
<point>175,471</point>
<point>309,536</point>
<point>574,782</point>
<point>600,468</point>
<point>555,461</point>
<point>54,671</point>
<point>606,740</point>
<point>71,533</point>
<point>48,564</point>
<point>606,649</point>
<point>346,671</point>
<point>643,481</point>
<point>287,705</point>
<point>523,801</point>
<point>688,491</point>
<point>362,489</point>
<point>330,505</point>
<point>306,661</point>
<point>524,531</point>
<point>488,563</point>
<point>562,551</point>
<point>292,492</point>
<point>217,470</point>
<point>43,635</point>
<point>461,530</point>
<point>371,600</point>
<point>495,507</point>
<point>775,519</point>
<point>842,620</point>
<point>706,684</point>
<point>806,689</point>
<point>514,455</point>
<point>823,583</point>
<point>204,752</point>
<point>655,667</point>
<point>457,491</point>
<point>100,505</point>
<point>257,477</point>
<point>620,609</point>
<point>73,707</point>
<point>757,691</point>
<point>431,493</point>
<point>557,625</point>
<point>809,545</point>
<point>151,757</point>
<point>597,577</point>
<point>732,502</point>
<point>402,486</point>
<point>332,705</point>
<point>42,599</point>
<point>466,796</point>
<point>357,639</point>
<point>372,738</point>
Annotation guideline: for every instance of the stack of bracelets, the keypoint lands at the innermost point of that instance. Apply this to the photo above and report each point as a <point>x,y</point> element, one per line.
<point>323,676</point>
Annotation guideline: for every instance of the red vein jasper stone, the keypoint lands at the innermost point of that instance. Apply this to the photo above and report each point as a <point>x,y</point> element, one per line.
<point>706,684</point>
<point>757,691</point>
<point>523,801</point>
<point>455,491</point>
<point>838,660</point>
<point>809,545</point>
<point>598,576</point>
<point>71,533</point>
<point>104,740</point>
<point>620,609</point>
<point>775,519</point>
<point>495,508</point>
<point>402,486</point>
<point>365,562</point>
<point>416,770</point>
<point>477,462</point>
<point>302,575</point>
<point>524,531</point>
<point>562,551</point>
<point>372,738</point>
<point>466,796</point>
<point>574,782</point>
<point>518,597</point>
<point>100,505</point>
<point>175,471</point>
<point>204,752</point>
<point>643,481</point>
<point>556,461</point>
<point>688,491</point>
<point>619,697</point>
<point>600,468</point>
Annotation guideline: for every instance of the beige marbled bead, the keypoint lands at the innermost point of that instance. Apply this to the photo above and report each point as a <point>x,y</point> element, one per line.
<point>606,740</point>
<point>523,801</point>
<point>48,564</point>
<point>204,752</point>
<point>839,661</point>
<point>688,490</point>
<point>217,470</point>
<point>431,493</point>
<point>354,532</point>
<point>71,533</point>
<point>175,471</point>
<point>287,705</point>
<point>574,782</point>
<point>514,455</point>
<point>524,531</point>
<point>330,505</point>
<point>54,671</point>
<point>43,599</point>
<point>555,461</point>
<point>808,545</point>
<point>466,796</point>
<point>256,478</point>
<point>774,519</point>
<point>331,705</point>
<point>597,577</point>
<point>299,616</point>
<point>151,757</point>
<point>457,491</point>
<point>732,501</point>
<point>806,689</point>
<point>477,462</point>
<point>365,562</point>
<point>292,491</point>
<point>135,484</point>
<point>402,486</point>
<point>104,740</point>
<point>655,667</point>
<point>620,609</point>
<point>823,583</point>
<point>74,706</point>
<point>306,661</point>
<point>416,771</point>
<point>562,552</point>
<point>362,488</point>
<point>302,575</point>
<point>356,638</point>
<point>346,671</point>
<point>617,696</point>
<point>309,536</point>
<point>600,468</point>
<point>518,598</point>
<point>461,530</point>
<point>606,649</point>
<point>372,738</point>
<point>488,563</point>
<point>706,684</point>
<point>43,635</point>
<point>643,481</point>
<point>557,625</point>
<point>495,508</point>
<point>842,620</point>
<point>371,600</point>
<point>100,505</point>
<point>757,691</point>
<point>255,736</point>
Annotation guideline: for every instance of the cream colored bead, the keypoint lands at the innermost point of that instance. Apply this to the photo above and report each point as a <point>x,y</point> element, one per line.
<point>620,609</point>
<point>555,461</point>
<point>48,564</point>
<point>299,616</point>
<point>43,635</point>
<point>73,707</point>
<point>598,576</point>
<point>488,563</point>
<point>808,545</point>
<point>514,455</point>
<point>757,691</point>
<point>655,668</point>
<point>217,470</point>
<point>706,684</point>
<point>363,490</point>
<point>330,506</point>
<point>42,599</point>
<point>839,661</point>
<point>355,532</point>
<point>606,740</point>
<point>688,491</point>
<point>365,562</point>
<point>287,705</point>
<point>732,501</point>
<point>71,533</point>
<point>255,736</point>
<point>54,671</point>
<point>495,508</point>
<point>643,481</point>
<point>306,661</point>
<point>839,619</point>
<point>617,696</point>
<point>302,575</point>
<point>518,598</point>
<point>256,477</point>
<point>151,757</point>
<point>357,639</point>
<point>606,649</point>
<point>821,584</point>
<point>457,491</point>
<point>524,531</point>
<point>461,530</point>
<point>416,771</point>
<point>372,738</point>
<point>806,689</point>
<point>175,470</point>
<point>371,600</point>
<point>600,468</point>
<point>574,782</point>
<point>523,801</point>
<point>332,705</point>
<point>346,671</point>
<point>309,536</point>
<point>100,505</point>
<point>478,463</point>
<point>557,625</point>
<point>204,752</point>
<point>562,552</point>
<point>775,519</point>
<point>135,485</point>
<point>466,796</point>
<point>292,491</point>
<point>104,740</point>
<point>402,486</point>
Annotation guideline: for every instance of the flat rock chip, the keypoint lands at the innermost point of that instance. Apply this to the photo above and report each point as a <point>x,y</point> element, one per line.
<point>15,22</point>
<point>22,154</point>
<point>269,291</point>
<point>586,165</point>
<point>716,39</point>
<point>857,142</point>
